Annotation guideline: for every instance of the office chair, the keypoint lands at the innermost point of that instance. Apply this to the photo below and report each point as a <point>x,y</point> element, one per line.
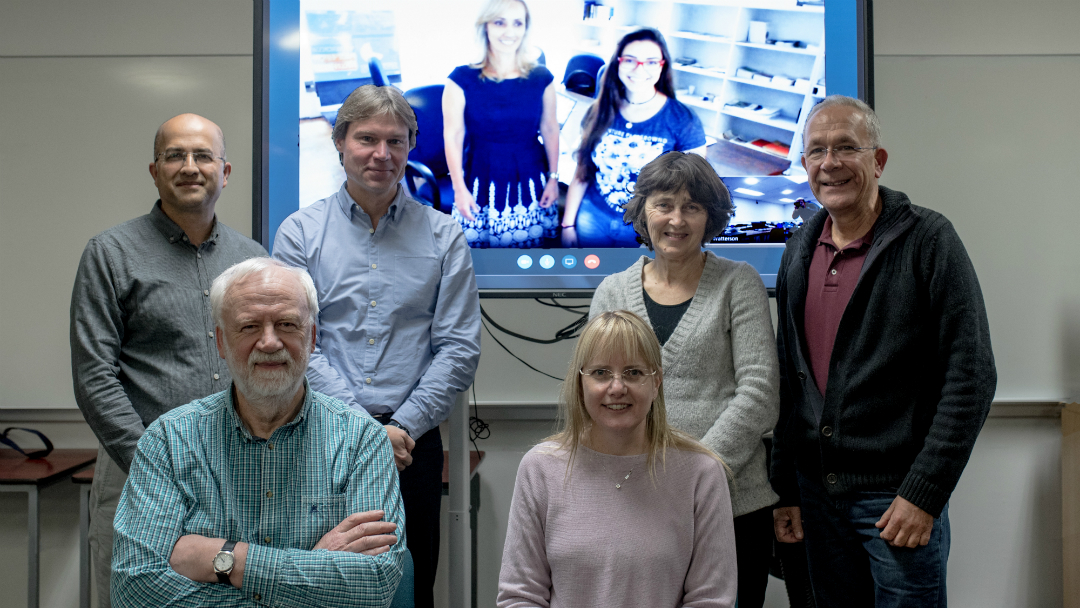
<point>581,75</point>
<point>426,176</point>
<point>378,75</point>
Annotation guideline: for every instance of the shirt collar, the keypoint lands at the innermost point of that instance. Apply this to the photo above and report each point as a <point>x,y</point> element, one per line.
<point>825,238</point>
<point>237,423</point>
<point>348,205</point>
<point>171,230</point>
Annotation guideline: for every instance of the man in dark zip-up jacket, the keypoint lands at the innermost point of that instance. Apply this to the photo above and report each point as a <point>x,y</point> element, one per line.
<point>887,375</point>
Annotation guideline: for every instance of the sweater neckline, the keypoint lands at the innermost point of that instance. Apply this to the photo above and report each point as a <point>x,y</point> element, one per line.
<point>693,313</point>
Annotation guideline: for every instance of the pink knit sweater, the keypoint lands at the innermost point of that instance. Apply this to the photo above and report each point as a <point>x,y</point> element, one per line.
<point>656,543</point>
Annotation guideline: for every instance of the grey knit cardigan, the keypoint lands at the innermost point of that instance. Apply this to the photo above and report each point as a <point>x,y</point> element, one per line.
<point>721,376</point>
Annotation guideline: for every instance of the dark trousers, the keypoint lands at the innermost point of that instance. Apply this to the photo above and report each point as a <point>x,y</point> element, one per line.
<point>421,494</point>
<point>753,553</point>
<point>851,566</point>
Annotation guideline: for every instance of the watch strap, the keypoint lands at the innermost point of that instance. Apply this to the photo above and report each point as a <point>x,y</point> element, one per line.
<point>223,577</point>
<point>398,425</point>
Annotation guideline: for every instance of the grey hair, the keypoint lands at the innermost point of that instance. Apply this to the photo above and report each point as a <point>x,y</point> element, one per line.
<point>369,101</point>
<point>256,266</point>
<point>870,118</point>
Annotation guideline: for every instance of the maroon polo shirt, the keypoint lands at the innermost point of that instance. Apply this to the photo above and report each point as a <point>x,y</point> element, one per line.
<point>833,275</point>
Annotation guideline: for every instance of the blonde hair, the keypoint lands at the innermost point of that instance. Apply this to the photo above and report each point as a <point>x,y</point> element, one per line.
<point>491,10</point>
<point>624,332</point>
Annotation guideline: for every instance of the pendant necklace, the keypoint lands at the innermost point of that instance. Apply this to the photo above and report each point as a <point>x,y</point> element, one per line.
<point>618,486</point>
<point>630,125</point>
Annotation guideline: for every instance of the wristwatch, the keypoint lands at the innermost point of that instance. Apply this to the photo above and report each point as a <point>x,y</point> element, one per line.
<point>398,425</point>
<point>553,175</point>
<point>224,562</point>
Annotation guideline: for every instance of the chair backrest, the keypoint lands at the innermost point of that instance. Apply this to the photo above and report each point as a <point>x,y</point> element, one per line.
<point>582,74</point>
<point>588,63</point>
<point>378,76</point>
<point>426,102</point>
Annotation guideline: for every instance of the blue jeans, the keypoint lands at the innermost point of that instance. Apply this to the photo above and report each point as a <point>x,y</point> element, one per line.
<point>852,566</point>
<point>598,225</point>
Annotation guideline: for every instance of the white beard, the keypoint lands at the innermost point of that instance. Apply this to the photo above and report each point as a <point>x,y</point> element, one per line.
<point>267,386</point>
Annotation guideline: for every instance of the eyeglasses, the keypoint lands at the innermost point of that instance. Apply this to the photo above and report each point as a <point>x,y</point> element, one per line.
<point>630,63</point>
<point>175,158</point>
<point>631,376</point>
<point>817,155</point>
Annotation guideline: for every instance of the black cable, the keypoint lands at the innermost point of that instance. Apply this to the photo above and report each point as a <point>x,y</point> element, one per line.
<point>478,429</point>
<point>492,334</point>
<point>567,333</point>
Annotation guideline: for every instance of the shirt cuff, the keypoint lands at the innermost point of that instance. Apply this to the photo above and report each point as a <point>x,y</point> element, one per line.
<point>260,573</point>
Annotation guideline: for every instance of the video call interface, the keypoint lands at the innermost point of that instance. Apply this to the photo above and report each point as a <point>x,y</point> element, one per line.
<point>748,71</point>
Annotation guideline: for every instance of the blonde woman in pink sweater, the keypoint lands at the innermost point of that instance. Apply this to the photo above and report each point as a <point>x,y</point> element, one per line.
<point>618,509</point>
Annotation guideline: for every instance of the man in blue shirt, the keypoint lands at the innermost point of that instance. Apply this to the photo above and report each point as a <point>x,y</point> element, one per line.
<point>268,493</point>
<point>400,319</point>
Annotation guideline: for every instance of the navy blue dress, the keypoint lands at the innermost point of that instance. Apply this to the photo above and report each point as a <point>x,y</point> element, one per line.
<point>505,163</point>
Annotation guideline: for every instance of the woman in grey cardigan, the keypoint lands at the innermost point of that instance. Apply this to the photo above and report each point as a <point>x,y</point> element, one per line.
<point>711,315</point>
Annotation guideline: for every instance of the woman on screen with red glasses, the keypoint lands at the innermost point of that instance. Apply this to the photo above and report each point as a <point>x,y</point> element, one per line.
<point>635,119</point>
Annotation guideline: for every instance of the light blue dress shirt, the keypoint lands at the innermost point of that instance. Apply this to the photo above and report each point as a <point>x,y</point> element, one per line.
<point>399,312</point>
<point>198,470</point>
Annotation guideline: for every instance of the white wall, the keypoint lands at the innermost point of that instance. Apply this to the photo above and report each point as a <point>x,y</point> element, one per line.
<point>978,105</point>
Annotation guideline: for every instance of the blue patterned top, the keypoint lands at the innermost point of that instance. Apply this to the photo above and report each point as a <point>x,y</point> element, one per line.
<point>626,147</point>
<point>197,470</point>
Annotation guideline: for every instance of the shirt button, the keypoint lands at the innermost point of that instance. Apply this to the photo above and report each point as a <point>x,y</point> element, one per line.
<point>801,375</point>
<point>827,431</point>
<point>371,341</point>
<point>210,333</point>
<point>373,302</point>
<point>217,377</point>
<point>833,271</point>
<point>256,597</point>
<point>373,266</point>
<point>266,540</point>
<point>368,380</point>
<point>371,231</point>
<point>206,292</point>
<point>198,255</point>
<point>269,494</point>
<point>831,478</point>
<point>269,446</point>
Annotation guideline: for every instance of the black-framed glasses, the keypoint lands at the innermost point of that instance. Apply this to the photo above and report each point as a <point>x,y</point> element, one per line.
<point>631,376</point>
<point>817,155</point>
<point>176,158</point>
<point>630,63</point>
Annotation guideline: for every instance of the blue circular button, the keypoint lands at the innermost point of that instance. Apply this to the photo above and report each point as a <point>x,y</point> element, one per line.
<point>569,261</point>
<point>525,262</point>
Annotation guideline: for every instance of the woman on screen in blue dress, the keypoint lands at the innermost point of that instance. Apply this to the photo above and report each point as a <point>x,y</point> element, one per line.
<point>505,187</point>
<point>635,119</point>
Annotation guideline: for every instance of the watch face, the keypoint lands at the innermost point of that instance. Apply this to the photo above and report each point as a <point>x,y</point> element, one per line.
<point>223,562</point>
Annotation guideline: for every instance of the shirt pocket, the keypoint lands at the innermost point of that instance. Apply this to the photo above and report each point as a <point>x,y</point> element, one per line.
<point>415,281</point>
<point>319,515</point>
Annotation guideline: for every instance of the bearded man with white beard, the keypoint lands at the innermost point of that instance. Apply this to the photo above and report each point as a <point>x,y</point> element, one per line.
<point>268,492</point>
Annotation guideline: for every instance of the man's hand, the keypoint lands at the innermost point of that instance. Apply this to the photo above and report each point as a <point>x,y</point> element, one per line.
<point>360,533</point>
<point>403,446</point>
<point>905,525</point>
<point>193,557</point>
<point>787,524</point>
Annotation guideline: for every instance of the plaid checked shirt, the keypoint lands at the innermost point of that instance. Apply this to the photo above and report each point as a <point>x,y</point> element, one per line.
<point>197,470</point>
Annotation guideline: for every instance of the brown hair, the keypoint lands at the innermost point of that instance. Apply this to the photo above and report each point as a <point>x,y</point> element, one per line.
<point>674,172</point>
<point>369,101</point>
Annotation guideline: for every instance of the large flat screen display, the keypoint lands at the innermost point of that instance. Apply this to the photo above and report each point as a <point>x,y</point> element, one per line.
<point>748,71</point>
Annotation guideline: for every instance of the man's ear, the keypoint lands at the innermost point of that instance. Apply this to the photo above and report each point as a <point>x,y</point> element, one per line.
<point>314,332</point>
<point>220,342</point>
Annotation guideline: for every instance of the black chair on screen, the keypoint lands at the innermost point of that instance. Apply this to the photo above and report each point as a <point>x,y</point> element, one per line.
<point>426,175</point>
<point>582,74</point>
<point>378,75</point>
